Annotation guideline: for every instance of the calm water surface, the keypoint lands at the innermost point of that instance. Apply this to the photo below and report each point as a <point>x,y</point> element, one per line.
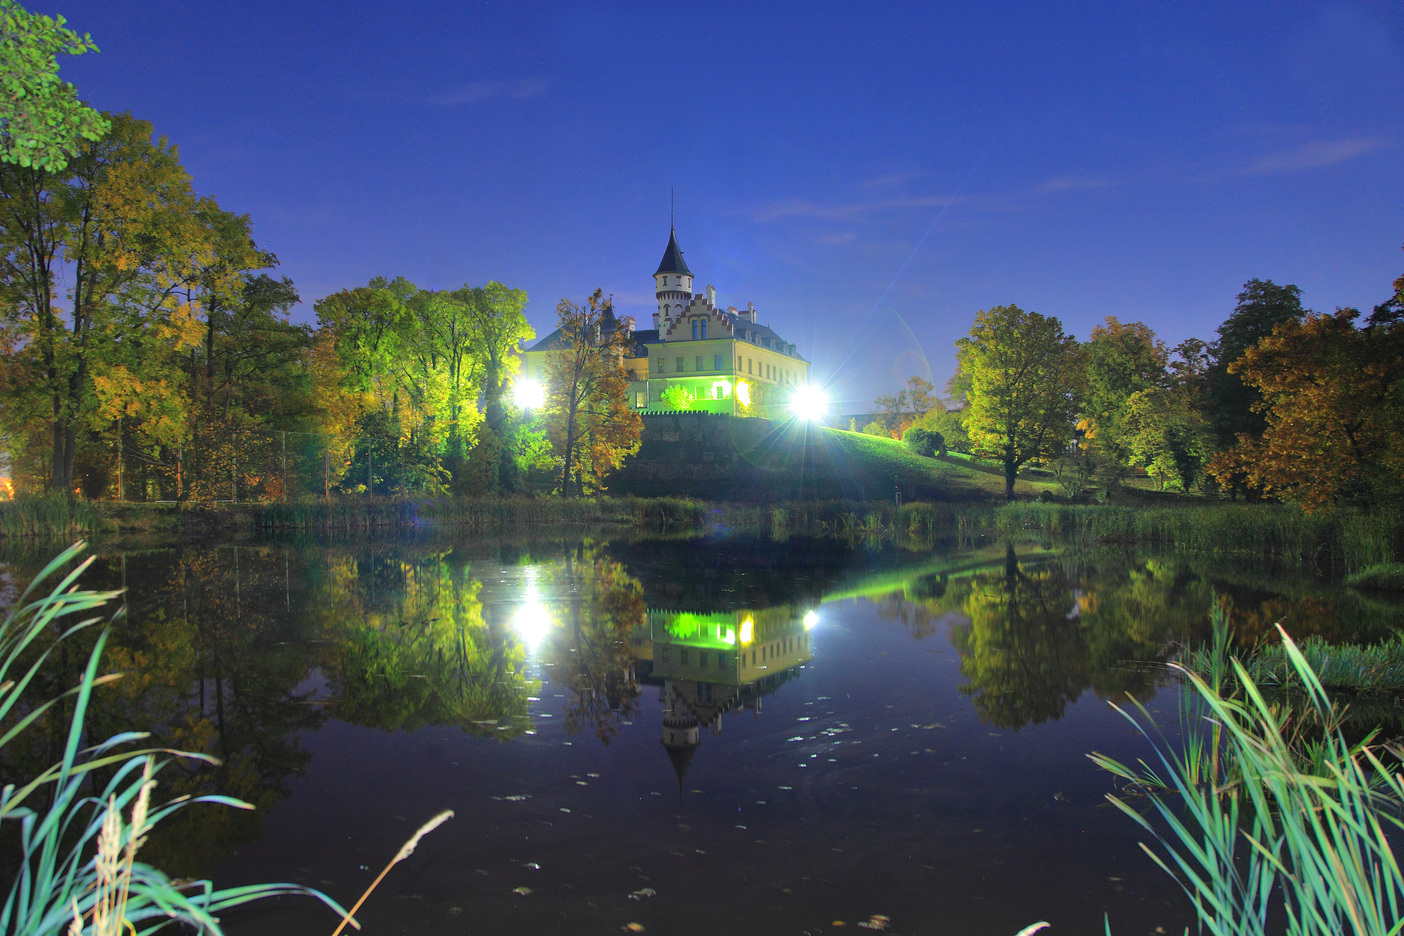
<point>691,736</point>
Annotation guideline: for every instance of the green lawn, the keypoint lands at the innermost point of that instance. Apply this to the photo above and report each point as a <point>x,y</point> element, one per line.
<point>793,461</point>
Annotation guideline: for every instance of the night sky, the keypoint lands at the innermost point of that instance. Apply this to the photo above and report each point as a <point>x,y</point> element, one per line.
<point>870,175</point>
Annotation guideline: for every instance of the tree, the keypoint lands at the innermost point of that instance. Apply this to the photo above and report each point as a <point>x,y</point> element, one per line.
<point>1122,360</point>
<point>1021,375</point>
<point>678,397</point>
<point>1262,306</point>
<point>497,328</point>
<point>125,225</point>
<point>1163,428</point>
<point>1330,394</point>
<point>42,121</point>
<point>899,412</point>
<point>587,414</point>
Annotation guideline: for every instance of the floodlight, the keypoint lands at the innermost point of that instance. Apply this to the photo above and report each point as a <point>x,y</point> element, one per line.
<point>529,394</point>
<point>810,619</point>
<point>809,403</point>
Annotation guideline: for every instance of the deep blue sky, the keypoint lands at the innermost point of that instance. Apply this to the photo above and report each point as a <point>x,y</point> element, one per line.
<point>870,175</point>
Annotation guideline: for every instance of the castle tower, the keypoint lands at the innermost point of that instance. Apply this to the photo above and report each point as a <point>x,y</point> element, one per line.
<point>672,283</point>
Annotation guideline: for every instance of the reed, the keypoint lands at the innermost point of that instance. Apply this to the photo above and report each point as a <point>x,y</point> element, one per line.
<point>47,518</point>
<point>1344,541</point>
<point>1384,576</point>
<point>479,514</point>
<point>77,858</point>
<point>1375,667</point>
<point>1268,810</point>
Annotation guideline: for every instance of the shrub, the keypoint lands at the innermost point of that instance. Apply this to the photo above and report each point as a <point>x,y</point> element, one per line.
<point>925,442</point>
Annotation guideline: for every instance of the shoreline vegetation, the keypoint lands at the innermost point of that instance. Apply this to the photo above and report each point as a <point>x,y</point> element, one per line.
<point>1360,547</point>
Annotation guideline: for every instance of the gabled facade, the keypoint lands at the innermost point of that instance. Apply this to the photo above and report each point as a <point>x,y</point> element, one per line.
<point>724,358</point>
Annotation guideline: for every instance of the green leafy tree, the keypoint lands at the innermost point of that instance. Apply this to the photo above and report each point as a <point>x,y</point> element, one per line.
<point>1122,361</point>
<point>42,121</point>
<point>1022,377</point>
<point>1262,306</point>
<point>678,397</point>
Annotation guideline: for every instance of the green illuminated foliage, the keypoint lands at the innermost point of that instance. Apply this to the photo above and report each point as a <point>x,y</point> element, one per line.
<point>43,124</point>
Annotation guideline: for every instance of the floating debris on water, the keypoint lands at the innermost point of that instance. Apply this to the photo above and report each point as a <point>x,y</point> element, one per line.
<point>633,927</point>
<point>643,892</point>
<point>521,890</point>
<point>876,922</point>
<point>532,866</point>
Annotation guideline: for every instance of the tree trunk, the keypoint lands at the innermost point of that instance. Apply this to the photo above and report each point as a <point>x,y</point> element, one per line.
<point>1011,469</point>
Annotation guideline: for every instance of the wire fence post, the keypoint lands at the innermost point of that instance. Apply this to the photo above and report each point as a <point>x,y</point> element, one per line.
<point>284,436</point>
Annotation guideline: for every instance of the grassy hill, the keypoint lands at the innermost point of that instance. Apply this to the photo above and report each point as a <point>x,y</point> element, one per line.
<point>755,460</point>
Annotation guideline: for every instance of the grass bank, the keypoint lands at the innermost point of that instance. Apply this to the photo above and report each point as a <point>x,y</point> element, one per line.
<point>47,518</point>
<point>1340,541</point>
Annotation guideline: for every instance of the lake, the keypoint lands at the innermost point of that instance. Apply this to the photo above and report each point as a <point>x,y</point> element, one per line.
<point>685,735</point>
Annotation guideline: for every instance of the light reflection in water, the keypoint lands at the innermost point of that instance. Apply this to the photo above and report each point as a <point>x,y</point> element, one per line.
<point>531,620</point>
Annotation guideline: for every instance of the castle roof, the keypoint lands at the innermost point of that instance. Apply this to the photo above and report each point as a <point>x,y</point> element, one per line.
<point>672,261</point>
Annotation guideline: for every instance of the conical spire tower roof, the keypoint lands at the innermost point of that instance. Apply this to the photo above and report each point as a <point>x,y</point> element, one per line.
<point>672,258</point>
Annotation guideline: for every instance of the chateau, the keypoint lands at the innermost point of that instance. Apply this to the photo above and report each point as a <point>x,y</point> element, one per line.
<point>724,358</point>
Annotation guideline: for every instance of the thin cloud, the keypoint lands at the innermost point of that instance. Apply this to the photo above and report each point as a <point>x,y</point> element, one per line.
<point>829,211</point>
<point>1314,155</point>
<point>1073,184</point>
<point>476,91</point>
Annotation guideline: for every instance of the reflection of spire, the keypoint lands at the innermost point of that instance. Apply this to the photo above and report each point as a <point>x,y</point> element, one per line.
<point>680,734</point>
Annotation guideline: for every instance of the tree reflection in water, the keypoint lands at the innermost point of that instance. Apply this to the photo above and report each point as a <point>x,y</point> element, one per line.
<point>239,652</point>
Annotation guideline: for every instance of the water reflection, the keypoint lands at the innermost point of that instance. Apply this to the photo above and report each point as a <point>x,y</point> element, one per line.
<point>710,664</point>
<point>242,652</point>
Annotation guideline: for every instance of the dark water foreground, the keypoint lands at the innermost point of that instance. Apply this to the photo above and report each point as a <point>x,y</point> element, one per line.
<point>688,736</point>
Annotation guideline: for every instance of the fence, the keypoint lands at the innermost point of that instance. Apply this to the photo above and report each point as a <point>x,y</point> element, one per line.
<point>239,465</point>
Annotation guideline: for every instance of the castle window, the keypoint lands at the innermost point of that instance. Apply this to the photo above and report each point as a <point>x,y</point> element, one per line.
<point>716,362</point>
<point>682,657</point>
<point>704,328</point>
<point>748,366</point>
<point>660,364</point>
<point>699,362</point>
<point>694,329</point>
<point>680,364</point>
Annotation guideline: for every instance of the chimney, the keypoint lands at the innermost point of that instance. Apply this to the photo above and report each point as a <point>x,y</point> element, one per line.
<point>712,296</point>
<point>751,312</point>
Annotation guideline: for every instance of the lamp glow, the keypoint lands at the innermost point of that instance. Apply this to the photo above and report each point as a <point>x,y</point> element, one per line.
<point>743,392</point>
<point>809,403</point>
<point>810,619</point>
<point>747,630</point>
<point>529,394</point>
<point>531,620</point>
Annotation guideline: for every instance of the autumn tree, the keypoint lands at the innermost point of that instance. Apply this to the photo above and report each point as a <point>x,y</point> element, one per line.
<point>1329,393</point>
<point>587,414</point>
<point>1022,377</point>
<point>124,226</point>
<point>900,411</point>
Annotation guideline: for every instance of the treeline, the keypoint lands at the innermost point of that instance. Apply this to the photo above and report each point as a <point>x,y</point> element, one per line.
<point>146,350</point>
<point>1285,404</point>
<point>175,348</point>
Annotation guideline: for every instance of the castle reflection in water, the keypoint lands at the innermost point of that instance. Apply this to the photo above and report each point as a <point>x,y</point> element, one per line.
<point>707,665</point>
